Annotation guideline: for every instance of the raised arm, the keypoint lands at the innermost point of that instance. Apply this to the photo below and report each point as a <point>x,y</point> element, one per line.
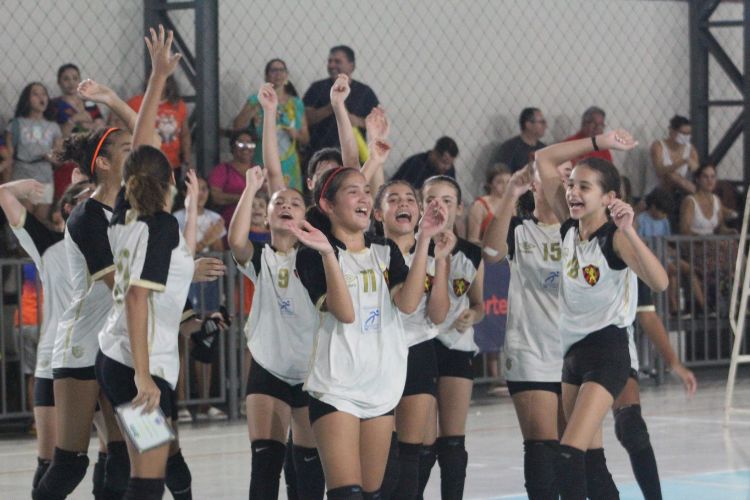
<point>633,251</point>
<point>191,211</point>
<point>271,161</point>
<point>163,64</point>
<point>495,244</point>
<point>438,302</point>
<point>239,227</point>
<point>11,194</point>
<point>349,150</point>
<point>378,128</point>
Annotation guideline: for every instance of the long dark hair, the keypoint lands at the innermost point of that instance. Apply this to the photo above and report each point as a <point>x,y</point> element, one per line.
<point>377,226</point>
<point>288,87</point>
<point>446,179</point>
<point>609,177</point>
<point>326,188</point>
<point>147,175</point>
<point>80,149</point>
<point>23,106</point>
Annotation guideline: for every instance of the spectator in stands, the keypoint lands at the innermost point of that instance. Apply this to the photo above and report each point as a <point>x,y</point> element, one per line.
<point>227,180</point>
<point>74,115</point>
<point>6,160</point>
<point>172,126</point>
<point>317,99</point>
<point>291,128</point>
<point>437,161</point>
<point>519,150</point>
<point>31,138</point>
<point>592,123</point>
<point>483,209</point>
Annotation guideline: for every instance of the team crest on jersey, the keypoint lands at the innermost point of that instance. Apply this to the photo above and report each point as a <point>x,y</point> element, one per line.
<point>460,286</point>
<point>386,276</point>
<point>350,279</point>
<point>527,247</point>
<point>77,351</point>
<point>428,283</point>
<point>591,274</point>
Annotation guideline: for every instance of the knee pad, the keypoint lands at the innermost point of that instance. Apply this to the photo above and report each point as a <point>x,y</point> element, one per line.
<point>571,472</point>
<point>65,473</point>
<point>427,459</point>
<point>267,461</point>
<point>310,480</point>
<point>144,489</point>
<point>630,429</point>
<point>178,478</point>
<point>351,492</point>
<point>98,477</point>
<point>599,482</point>
<point>117,469</point>
<point>373,495</point>
<point>42,465</point>
<point>390,477</point>
<point>290,472</point>
<point>408,474</point>
<point>453,459</point>
<point>539,459</point>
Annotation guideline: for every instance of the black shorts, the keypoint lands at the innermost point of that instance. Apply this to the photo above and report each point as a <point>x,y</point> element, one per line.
<point>516,387</point>
<point>85,373</point>
<point>452,363</point>
<point>44,393</point>
<point>320,409</point>
<point>261,381</point>
<point>118,385</point>
<point>600,357</point>
<point>421,370</point>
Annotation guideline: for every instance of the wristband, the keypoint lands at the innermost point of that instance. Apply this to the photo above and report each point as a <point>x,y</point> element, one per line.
<point>593,141</point>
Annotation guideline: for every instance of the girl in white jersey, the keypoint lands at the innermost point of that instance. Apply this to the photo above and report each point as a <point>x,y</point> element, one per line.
<point>358,367</point>
<point>600,260</point>
<point>397,208</point>
<point>532,339</point>
<point>455,349</point>
<point>47,249</point>
<point>280,330</point>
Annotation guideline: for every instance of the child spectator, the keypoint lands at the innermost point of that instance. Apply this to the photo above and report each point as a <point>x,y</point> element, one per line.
<point>654,221</point>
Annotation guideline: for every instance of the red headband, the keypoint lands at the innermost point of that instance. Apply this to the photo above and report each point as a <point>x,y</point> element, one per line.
<point>327,183</point>
<point>99,146</point>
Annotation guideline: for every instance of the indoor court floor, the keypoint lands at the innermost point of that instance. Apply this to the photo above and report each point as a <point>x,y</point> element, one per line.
<point>698,457</point>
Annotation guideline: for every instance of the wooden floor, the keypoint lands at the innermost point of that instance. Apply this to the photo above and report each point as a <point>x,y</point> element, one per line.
<point>698,457</point>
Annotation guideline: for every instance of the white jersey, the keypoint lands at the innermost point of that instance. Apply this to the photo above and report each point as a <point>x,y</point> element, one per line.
<point>532,336</point>
<point>359,368</point>
<point>645,304</point>
<point>283,321</point>
<point>47,249</point>
<point>465,261</point>
<point>598,289</point>
<point>151,253</point>
<point>417,325</point>
<point>89,259</point>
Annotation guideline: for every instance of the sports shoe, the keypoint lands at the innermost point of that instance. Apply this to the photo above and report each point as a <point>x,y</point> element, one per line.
<point>184,415</point>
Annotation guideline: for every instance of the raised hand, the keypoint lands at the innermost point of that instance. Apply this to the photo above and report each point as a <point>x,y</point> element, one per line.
<point>214,231</point>
<point>254,178</point>
<point>340,90</point>
<point>163,61</point>
<point>444,241</point>
<point>620,140</point>
<point>91,90</point>
<point>433,220</point>
<point>520,182</point>
<point>379,150</point>
<point>268,98</point>
<point>310,236</point>
<point>25,189</point>
<point>622,214</point>
<point>377,124</point>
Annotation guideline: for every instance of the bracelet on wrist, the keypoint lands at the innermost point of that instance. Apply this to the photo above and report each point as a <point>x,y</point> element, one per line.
<point>593,142</point>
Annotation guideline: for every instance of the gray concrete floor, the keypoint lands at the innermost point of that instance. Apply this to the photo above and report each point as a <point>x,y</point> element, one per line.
<point>698,457</point>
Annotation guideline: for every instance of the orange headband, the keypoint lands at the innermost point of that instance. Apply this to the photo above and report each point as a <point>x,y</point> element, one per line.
<point>336,172</point>
<point>99,146</point>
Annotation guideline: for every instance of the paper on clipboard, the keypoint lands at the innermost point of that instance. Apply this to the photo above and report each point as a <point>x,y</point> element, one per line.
<point>145,430</point>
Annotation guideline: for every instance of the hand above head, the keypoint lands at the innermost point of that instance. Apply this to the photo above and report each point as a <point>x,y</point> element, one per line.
<point>91,90</point>
<point>379,150</point>
<point>520,182</point>
<point>620,140</point>
<point>377,124</point>
<point>445,241</point>
<point>191,197</point>
<point>340,90</point>
<point>25,189</point>
<point>433,220</point>
<point>268,98</point>
<point>310,236</point>
<point>163,61</point>
<point>254,178</point>
<point>622,214</point>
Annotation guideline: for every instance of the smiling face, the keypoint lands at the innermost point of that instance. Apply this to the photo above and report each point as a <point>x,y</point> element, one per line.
<point>259,212</point>
<point>277,73</point>
<point>352,203</point>
<point>69,80</point>
<point>398,210</point>
<point>338,64</point>
<point>584,193</point>
<point>286,205</point>
<point>445,195</point>
<point>244,149</point>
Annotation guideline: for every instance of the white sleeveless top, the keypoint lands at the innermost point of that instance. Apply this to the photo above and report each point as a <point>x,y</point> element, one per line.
<point>701,224</point>
<point>652,181</point>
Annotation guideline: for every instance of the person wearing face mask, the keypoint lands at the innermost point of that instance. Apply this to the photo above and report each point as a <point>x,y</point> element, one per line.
<point>674,160</point>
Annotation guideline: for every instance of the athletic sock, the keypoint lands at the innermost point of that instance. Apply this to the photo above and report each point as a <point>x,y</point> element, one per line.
<point>373,495</point>
<point>144,489</point>
<point>42,464</point>
<point>453,459</point>
<point>290,471</point>
<point>63,475</point>
<point>646,473</point>
<point>427,459</point>
<point>351,492</point>
<point>571,473</point>
<point>116,471</point>
<point>267,461</point>
<point>539,457</point>
<point>632,432</point>
<point>178,480</point>
<point>390,477</point>
<point>98,477</point>
<point>599,483</point>
<point>311,483</point>
<point>408,474</point>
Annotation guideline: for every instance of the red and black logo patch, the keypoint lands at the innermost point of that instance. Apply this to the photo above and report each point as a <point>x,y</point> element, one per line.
<point>428,283</point>
<point>387,280</point>
<point>460,286</point>
<point>591,274</point>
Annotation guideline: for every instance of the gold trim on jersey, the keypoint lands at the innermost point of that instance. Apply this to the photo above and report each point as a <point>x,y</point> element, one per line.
<point>100,274</point>
<point>321,302</point>
<point>157,287</point>
<point>22,222</point>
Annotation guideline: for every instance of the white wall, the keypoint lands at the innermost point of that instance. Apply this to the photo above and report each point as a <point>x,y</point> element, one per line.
<point>463,68</point>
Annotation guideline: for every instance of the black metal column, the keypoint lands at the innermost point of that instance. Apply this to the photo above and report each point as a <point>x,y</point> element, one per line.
<point>698,77</point>
<point>207,84</point>
<point>746,94</point>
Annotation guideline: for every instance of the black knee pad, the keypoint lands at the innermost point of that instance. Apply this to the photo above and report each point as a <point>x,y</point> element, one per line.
<point>267,461</point>
<point>42,464</point>
<point>539,457</point>
<point>290,472</point>
<point>178,478</point>
<point>408,474</point>
<point>571,473</point>
<point>311,482</point>
<point>116,470</point>
<point>98,477</point>
<point>351,492</point>
<point>373,495</point>
<point>599,482</point>
<point>65,473</point>
<point>144,489</point>
<point>427,459</point>
<point>390,477</point>
<point>453,459</point>
<point>630,429</point>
